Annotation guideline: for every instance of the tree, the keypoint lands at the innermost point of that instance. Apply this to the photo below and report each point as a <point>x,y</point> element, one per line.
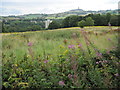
<point>81,23</point>
<point>99,20</point>
<point>114,20</point>
<point>53,25</point>
<point>2,28</point>
<point>71,21</point>
<point>108,17</point>
<point>89,21</point>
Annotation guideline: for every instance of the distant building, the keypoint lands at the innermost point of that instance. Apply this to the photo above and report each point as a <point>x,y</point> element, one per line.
<point>47,22</point>
<point>34,21</point>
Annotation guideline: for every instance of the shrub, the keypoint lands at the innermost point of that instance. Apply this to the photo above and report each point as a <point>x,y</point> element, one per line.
<point>54,25</point>
<point>81,23</point>
<point>89,21</point>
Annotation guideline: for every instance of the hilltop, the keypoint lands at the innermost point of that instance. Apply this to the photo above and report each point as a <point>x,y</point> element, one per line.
<point>62,15</point>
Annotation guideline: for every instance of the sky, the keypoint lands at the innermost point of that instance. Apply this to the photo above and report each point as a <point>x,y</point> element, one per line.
<point>20,7</point>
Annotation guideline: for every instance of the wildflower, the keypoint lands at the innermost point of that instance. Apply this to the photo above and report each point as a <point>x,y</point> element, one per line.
<point>61,46</point>
<point>71,46</point>
<point>80,45</point>
<point>108,52</point>
<point>65,41</point>
<point>16,65</point>
<point>46,61</point>
<point>112,57</point>
<point>116,74</point>
<point>75,76</point>
<point>74,35</point>
<point>95,49</point>
<point>109,24</point>
<point>30,44</point>
<point>70,76</point>
<point>117,63</point>
<point>109,39</point>
<point>66,51</point>
<point>100,61</point>
<point>113,47</point>
<point>105,61</point>
<point>67,59</point>
<point>28,56</point>
<point>99,54</point>
<point>61,83</point>
<point>97,62</point>
<point>82,29</point>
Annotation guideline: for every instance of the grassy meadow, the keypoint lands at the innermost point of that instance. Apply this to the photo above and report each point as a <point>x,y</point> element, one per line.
<point>61,58</point>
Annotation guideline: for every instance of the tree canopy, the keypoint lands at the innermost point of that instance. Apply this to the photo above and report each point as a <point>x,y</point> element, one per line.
<point>54,25</point>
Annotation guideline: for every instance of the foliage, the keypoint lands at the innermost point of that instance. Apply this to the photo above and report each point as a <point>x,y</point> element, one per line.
<point>89,21</point>
<point>71,58</point>
<point>21,25</point>
<point>82,23</point>
<point>108,17</point>
<point>100,20</point>
<point>104,19</point>
<point>71,21</point>
<point>54,25</point>
<point>92,19</point>
<point>115,20</point>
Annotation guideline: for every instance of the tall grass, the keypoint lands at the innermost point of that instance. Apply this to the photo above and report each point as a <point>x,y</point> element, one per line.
<point>61,58</point>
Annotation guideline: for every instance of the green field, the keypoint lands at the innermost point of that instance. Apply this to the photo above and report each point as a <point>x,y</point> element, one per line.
<point>61,58</point>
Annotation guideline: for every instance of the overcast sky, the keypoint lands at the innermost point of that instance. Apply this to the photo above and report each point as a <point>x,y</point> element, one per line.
<point>20,7</point>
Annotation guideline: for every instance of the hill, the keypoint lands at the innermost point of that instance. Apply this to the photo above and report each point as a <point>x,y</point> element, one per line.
<point>67,13</point>
<point>64,14</point>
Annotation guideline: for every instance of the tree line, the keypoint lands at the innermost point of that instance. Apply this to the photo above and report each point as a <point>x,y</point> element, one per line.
<point>88,20</point>
<point>22,25</point>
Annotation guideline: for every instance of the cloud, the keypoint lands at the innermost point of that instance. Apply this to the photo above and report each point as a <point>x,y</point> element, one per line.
<point>111,1</point>
<point>55,6</point>
<point>38,1</point>
<point>5,12</point>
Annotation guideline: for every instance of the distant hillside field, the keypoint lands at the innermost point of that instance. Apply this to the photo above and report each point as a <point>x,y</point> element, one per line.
<point>62,15</point>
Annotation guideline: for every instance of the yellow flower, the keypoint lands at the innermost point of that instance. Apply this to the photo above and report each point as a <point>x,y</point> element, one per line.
<point>112,57</point>
<point>66,51</point>
<point>15,65</point>
<point>28,55</point>
<point>61,46</point>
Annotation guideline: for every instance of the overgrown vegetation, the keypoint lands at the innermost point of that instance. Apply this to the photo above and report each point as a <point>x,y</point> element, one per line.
<point>68,58</point>
<point>88,22</point>
<point>22,25</point>
<point>99,20</point>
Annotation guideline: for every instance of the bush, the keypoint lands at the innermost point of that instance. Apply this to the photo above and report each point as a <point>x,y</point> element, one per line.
<point>54,25</point>
<point>81,23</point>
<point>89,21</point>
